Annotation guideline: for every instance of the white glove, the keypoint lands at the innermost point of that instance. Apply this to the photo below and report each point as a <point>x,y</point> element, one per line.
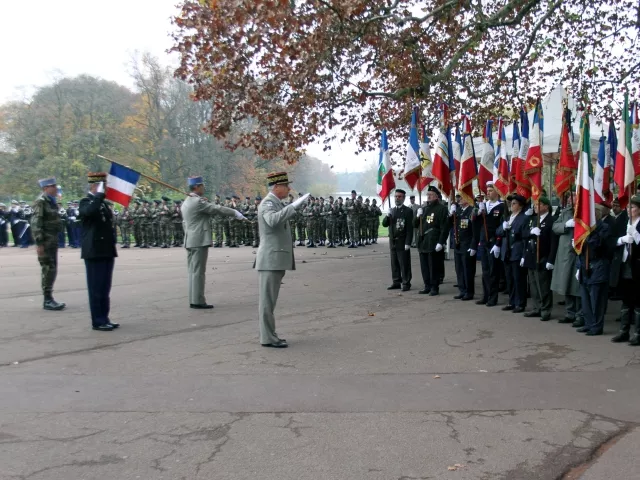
<point>100,187</point>
<point>535,231</point>
<point>72,218</point>
<point>452,209</point>
<point>505,225</point>
<point>419,212</point>
<point>438,247</point>
<point>549,266</point>
<point>573,242</point>
<point>570,223</point>
<point>578,275</point>
<point>472,252</point>
<point>529,212</point>
<point>239,215</point>
<point>407,247</point>
<point>300,201</point>
<point>625,239</point>
<point>630,229</point>
<point>482,206</point>
<point>495,251</point>
<point>522,262</point>
<point>636,236</point>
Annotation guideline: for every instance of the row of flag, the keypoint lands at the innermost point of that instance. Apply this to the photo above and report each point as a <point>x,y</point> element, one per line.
<point>454,166</point>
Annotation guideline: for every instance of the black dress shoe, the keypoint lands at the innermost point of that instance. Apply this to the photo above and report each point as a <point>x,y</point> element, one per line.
<point>582,330</point>
<point>491,304</point>
<point>481,302</point>
<point>508,307</point>
<point>621,337</point>
<point>532,314</point>
<point>593,334</point>
<point>104,328</point>
<point>202,306</point>
<point>434,292</point>
<point>278,344</point>
<point>565,320</point>
<point>458,297</point>
<point>424,291</point>
<point>114,325</point>
<point>467,298</point>
<point>545,318</point>
<point>394,287</point>
<point>517,310</point>
<point>578,323</point>
<point>406,288</point>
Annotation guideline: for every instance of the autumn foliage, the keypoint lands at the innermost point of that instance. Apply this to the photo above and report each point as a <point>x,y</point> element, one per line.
<point>296,71</point>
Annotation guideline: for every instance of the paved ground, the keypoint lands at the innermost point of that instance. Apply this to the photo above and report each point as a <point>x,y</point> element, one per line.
<point>376,384</point>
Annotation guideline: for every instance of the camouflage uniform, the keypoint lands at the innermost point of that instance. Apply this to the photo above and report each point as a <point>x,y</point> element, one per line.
<point>164,216</point>
<point>331,219</point>
<point>300,222</point>
<point>125,221</point>
<point>311,232</point>
<point>226,224</point>
<point>376,213</point>
<point>363,220</point>
<point>252,215</point>
<point>155,223</point>
<point>176,218</point>
<point>352,222</point>
<point>46,225</point>
<point>217,226</point>
<point>145,224</point>
<point>135,215</point>
<point>234,225</point>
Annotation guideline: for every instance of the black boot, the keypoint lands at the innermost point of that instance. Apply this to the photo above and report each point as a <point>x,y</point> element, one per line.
<point>625,325</point>
<point>51,304</point>
<point>635,338</point>
<point>311,245</point>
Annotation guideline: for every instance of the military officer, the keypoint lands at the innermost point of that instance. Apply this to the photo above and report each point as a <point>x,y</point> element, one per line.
<point>399,220</point>
<point>491,215</point>
<point>196,213</point>
<point>432,224</point>
<point>46,226</point>
<point>465,244</point>
<point>275,254</point>
<point>352,208</point>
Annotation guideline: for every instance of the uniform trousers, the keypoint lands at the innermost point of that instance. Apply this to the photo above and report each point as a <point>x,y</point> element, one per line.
<point>4,237</point>
<point>490,276</point>
<point>518,292</point>
<point>465,273</point>
<point>541,295</point>
<point>268,290</point>
<point>432,268</point>
<point>573,307</point>
<point>400,265</point>
<point>49,266</point>
<point>594,305</point>
<point>99,276</point>
<point>197,266</point>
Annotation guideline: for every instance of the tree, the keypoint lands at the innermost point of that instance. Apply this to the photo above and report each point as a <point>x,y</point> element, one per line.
<point>303,67</point>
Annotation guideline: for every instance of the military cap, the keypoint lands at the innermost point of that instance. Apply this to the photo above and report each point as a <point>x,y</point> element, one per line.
<point>545,201</point>
<point>359,197</point>
<point>353,191</point>
<point>96,177</point>
<point>331,197</point>
<point>431,188</point>
<point>166,199</point>
<point>490,184</point>
<point>47,182</point>
<point>278,178</point>
<point>177,202</point>
<point>217,195</point>
<point>300,194</point>
<point>321,198</point>
<point>520,199</point>
<point>236,197</point>
<point>635,200</point>
<point>14,202</point>
<point>247,198</point>
<point>157,202</point>
<point>366,201</point>
<point>69,202</point>
<point>259,198</point>
<point>144,200</point>
<point>22,202</point>
<point>399,190</point>
<point>193,181</point>
<point>339,198</point>
<point>227,198</point>
<point>412,196</point>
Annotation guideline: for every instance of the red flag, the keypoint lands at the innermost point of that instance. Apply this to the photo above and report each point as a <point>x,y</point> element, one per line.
<point>468,165</point>
<point>567,166</point>
<point>533,163</point>
<point>501,173</point>
<point>624,172</point>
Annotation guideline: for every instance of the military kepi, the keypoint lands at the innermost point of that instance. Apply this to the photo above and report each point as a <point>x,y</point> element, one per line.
<point>96,177</point>
<point>193,181</point>
<point>278,178</point>
<point>47,182</point>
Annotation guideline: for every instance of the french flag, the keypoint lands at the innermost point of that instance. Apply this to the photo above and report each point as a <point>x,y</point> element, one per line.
<point>121,183</point>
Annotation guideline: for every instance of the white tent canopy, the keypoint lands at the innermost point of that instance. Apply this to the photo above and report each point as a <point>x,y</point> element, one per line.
<point>552,107</point>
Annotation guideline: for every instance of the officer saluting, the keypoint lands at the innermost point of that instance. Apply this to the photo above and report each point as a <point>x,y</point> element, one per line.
<point>399,220</point>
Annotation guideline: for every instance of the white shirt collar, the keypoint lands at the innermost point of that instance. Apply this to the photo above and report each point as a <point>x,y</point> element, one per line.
<point>543,216</point>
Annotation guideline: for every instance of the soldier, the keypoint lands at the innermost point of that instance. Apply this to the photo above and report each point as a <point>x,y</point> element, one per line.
<point>352,220</point>
<point>226,224</point>
<point>300,222</point>
<point>311,231</point>
<point>376,213</point>
<point>69,221</point>
<point>536,259</point>
<point>343,230</point>
<point>491,215</point>
<point>19,225</point>
<point>330,219</point>
<point>62,213</point>
<point>145,223</point>
<point>76,225</point>
<point>320,222</point>
<point>433,226</point>
<point>164,220</point>
<point>414,207</point>
<point>399,220</point>
<point>176,216</point>
<point>28,214</point>
<point>135,223</point>
<point>293,222</point>
<point>253,217</point>
<point>4,221</point>
<point>363,215</point>
<point>125,220</point>
<point>47,225</point>
<point>247,227</point>
<point>155,222</point>
<point>465,244</point>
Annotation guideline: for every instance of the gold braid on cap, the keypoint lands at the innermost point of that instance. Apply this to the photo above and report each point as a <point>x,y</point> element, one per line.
<point>95,177</point>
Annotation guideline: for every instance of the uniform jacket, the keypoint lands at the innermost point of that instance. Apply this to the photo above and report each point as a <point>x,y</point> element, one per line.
<point>400,225</point>
<point>493,219</point>
<point>512,240</point>
<point>433,227</point>
<point>46,222</point>
<point>196,220</point>
<point>564,280</point>
<point>531,242</point>
<point>98,237</point>
<point>619,230</point>
<point>600,245</point>
<point>466,233</point>
<point>276,243</point>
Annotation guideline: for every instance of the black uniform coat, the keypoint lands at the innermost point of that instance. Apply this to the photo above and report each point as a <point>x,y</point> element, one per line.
<point>400,225</point>
<point>98,239</point>
<point>512,248</point>
<point>531,241</point>
<point>433,227</point>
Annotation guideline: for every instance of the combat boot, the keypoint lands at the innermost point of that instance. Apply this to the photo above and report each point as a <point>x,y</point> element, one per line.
<point>51,304</point>
<point>625,325</point>
<point>635,338</point>
<point>311,245</point>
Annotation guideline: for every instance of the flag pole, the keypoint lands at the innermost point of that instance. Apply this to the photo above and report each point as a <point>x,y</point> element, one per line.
<point>151,179</point>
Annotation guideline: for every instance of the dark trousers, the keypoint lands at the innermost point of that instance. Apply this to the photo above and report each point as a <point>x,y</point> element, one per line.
<point>490,276</point>
<point>99,276</point>
<point>465,273</point>
<point>431,269</point>
<point>518,292</point>
<point>541,295</point>
<point>4,237</point>
<point>594,305</point>
<point>401,265</point>
<point>61,240</point>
